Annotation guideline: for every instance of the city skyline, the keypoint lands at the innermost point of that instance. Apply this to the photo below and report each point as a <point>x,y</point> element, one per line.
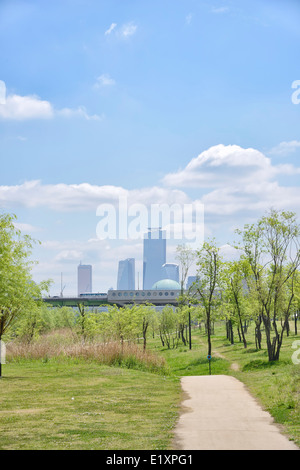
<point>172,103</point>
<point>155,267</point>
<point>126,275</point>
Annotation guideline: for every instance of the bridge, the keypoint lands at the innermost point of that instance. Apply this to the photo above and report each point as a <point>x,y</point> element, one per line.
<point>119,298</point>
<point>89,301</point>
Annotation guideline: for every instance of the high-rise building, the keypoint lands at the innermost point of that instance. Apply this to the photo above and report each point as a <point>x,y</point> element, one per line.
<point>84,278</point>
<point>126,274</point>
<point>171,271</point>
<point>154,257</point>
<point>190,281</point>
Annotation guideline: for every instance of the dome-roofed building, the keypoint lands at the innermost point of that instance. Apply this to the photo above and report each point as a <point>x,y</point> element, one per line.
<point>166,284</point>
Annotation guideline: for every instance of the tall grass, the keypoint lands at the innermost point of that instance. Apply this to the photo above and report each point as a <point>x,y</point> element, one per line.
<point>65,345</point>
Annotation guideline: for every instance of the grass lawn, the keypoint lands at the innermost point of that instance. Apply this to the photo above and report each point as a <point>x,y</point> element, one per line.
<point>77,404</point>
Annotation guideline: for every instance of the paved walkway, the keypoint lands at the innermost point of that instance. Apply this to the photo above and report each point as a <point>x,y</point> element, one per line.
<point>219,414</point>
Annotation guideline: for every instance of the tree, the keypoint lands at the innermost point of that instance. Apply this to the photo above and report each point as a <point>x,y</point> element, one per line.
<point>86,325</point>
<point>18,292</point>
<point>296,300</point>
<point>271,246</point>
<point>208,283</point>
<point>145,314</point>
<point>235,273</point>
<point>29,325</point>
<point>168,326</point>
<point>186,257</point>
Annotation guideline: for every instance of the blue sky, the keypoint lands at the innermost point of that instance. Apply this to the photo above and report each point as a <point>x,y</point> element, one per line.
<point>164,101</point>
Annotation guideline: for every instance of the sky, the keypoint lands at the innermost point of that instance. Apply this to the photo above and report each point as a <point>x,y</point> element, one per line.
<point>189,103</point>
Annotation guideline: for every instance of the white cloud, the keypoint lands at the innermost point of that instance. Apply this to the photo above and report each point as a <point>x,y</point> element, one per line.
<point>124,31</point>
<point>220,10</point>
<point>79,197</point>
<point>285,148</point>
<point>232,180</point>
<point>128,30</point>
<point>157,195</point>
<point>253,198</point>
<point>2,92</point>
<point>188,18</point>
<point>25,107</point>
<point>27,228</point>
<point>228,252</point>
<point>80,112</point>
<point>20,108</point>
<point>237,182</point>
<point>110,29</point>
<point>69,256</point>
<point>223,166</point>
<point>60,197</point>
<point>104,80</point>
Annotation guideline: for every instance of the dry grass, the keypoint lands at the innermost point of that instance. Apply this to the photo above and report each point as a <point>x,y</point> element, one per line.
<point>63,344</point>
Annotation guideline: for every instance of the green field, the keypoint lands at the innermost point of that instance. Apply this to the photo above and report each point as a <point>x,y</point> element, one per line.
<point>65,403</point>
<point>79,405</point>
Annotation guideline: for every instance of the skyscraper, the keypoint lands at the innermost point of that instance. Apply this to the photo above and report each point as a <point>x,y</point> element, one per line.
<point>84,278</point>
<point>154,256</point>
<point>171,271</point>
<point>190,281</point>
<point>126,274</point>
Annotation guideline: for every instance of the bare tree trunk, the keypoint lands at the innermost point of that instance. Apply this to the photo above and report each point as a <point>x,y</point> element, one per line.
<point>0,358</point>
<point>229,330</point>
<point>82,315</point>
<point>274,344</point>
<point>258,333</point>
<point>208,333</point>
<point>240,318</point>
<point>145,327</point>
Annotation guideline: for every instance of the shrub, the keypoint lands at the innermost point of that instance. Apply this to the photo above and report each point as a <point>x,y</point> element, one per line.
<point>62,344</point>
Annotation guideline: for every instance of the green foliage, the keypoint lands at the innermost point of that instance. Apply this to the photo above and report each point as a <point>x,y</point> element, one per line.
<point>235,294</point>
<point>271,249</point>
<point>18,292</point>
<point>208,287</point>
<point>168,326</point>
<point>40,319</point>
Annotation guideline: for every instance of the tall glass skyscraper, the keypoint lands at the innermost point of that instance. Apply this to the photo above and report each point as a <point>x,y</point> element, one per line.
<point>126,274</point>
<point>171,271</point>
<point>84,278</point>
<point>190,281</point>
<point>154,256</point>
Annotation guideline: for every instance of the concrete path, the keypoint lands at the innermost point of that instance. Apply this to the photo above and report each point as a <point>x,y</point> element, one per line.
<point>219,414</point>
